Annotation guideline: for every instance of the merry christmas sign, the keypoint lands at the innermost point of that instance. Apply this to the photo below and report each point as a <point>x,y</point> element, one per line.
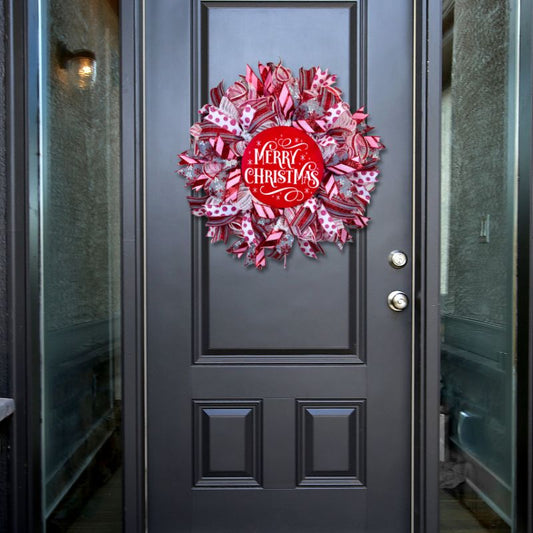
<point>282,166</point>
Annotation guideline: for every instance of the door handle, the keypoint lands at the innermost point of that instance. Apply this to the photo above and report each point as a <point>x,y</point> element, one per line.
<point>398,301</point>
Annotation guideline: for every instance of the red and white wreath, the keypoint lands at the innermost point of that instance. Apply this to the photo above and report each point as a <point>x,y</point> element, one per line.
<point>276,160</point>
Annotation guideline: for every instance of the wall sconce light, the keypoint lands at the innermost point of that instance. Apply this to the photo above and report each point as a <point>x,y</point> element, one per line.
<point>80,66</point>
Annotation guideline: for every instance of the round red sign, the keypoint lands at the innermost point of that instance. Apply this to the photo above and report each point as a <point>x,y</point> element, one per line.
<point>282,166</point>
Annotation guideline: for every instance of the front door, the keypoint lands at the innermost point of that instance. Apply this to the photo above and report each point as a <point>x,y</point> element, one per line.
<point>278,401</point>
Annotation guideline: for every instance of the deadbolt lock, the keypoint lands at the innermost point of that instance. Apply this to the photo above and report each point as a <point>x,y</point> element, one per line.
<point>397,259</point>
<point>398,301</point>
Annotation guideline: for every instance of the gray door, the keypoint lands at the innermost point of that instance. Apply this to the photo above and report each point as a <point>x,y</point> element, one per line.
<point>278,401</point>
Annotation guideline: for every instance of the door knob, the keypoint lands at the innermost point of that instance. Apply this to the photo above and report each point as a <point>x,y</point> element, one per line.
<point>398,300</point>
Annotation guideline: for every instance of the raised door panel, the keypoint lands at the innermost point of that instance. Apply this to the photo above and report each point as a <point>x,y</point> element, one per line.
<point>331,443</point>
<point>227,443</point>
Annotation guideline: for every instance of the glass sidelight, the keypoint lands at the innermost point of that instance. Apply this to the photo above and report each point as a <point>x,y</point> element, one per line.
<point>478,264</point>
<point>79,261</point>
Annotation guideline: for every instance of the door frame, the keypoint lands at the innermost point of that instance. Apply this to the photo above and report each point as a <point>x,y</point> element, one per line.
<point>22,114</point>
<point>524,285</point>
<point>426,282</point>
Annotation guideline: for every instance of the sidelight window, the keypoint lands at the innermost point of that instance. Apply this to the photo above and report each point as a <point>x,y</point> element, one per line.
<point>78,259</point>
<point>478,265</point>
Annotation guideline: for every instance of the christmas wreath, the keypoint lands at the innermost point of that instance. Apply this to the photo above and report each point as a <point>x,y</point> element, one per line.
<point>277,160</point>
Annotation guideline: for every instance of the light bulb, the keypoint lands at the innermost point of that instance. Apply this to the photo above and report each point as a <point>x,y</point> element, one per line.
<point>82,69</point>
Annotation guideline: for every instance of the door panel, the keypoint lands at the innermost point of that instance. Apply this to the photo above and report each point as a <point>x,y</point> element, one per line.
<point>228,41</point>
<point>278,401</point>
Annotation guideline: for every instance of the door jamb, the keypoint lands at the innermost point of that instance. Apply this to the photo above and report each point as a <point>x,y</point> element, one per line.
<point>426,315</point>
<point>21,124</point>
<point>524,291</point>
<point>133,258</point>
